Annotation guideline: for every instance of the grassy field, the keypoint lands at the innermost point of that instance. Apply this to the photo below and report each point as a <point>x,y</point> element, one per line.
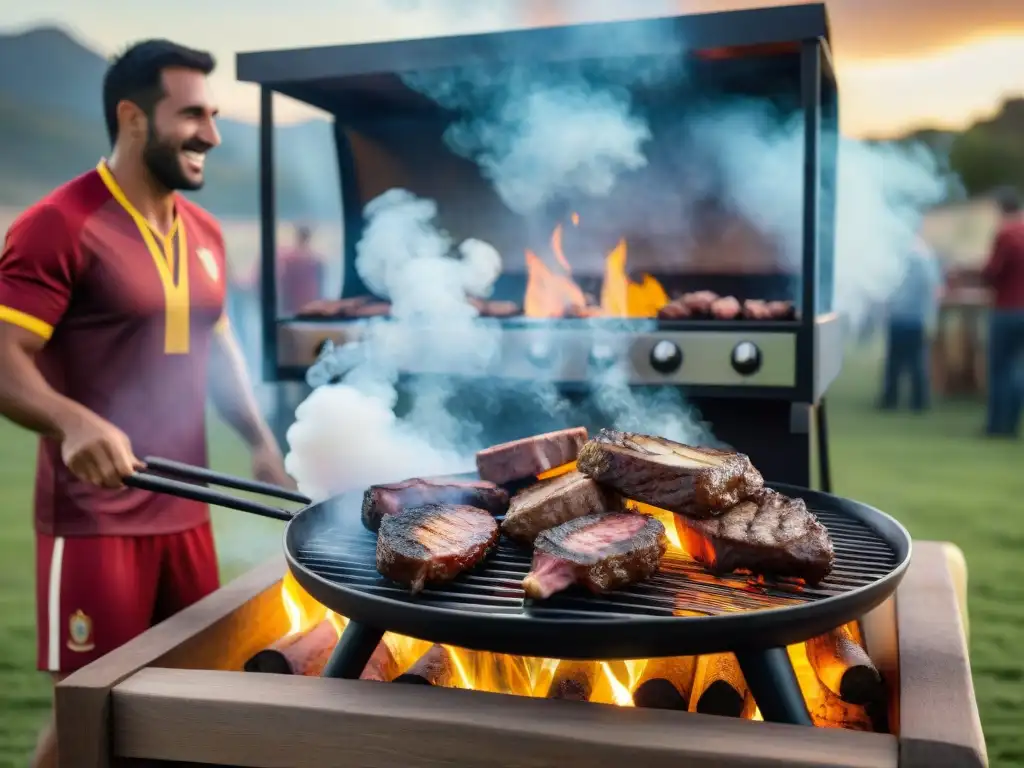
<point>933,472</point>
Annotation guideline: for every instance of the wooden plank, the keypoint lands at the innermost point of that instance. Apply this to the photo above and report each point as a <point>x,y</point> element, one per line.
<point>939,722</point>
<point>200,632</point>
<point>273,721</point>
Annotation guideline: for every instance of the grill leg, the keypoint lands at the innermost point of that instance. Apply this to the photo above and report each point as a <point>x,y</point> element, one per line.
<point>353,651</point>
<point>773,683</point>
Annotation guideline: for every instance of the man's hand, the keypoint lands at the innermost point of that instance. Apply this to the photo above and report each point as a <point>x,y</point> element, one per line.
<point>268,465</point>
<point>98,452</point>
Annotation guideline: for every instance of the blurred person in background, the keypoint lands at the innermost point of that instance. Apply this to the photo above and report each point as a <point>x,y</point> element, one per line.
<point>912,311</point>
<point>300,280</point>
<point>300,274</point>
<point>111,319</point>
<point>1004,274</point>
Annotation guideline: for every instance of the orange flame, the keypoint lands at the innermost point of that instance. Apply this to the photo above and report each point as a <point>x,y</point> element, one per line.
<point>556,294</point>
<point>614,682</point>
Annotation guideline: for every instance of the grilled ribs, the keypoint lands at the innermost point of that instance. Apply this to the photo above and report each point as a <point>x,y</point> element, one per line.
<point>602,552</point>
<point>530,456</point>
<point>699,482</point>
<point>553,502</point>
<point>433,543</point>
<point>390,499</point>
<point>768,534</point>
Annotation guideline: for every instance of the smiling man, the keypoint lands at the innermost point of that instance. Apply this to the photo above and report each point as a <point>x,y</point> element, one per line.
<point>111,334</point>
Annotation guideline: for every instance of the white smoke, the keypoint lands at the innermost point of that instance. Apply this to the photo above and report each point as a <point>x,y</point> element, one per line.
<point>346,434</point>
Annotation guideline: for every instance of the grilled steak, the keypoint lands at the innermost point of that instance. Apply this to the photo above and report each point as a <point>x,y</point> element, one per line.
<point>381,500</point>
<point>601,552</point>
<point>553,502</point>
<point>726,308</point>
<point>433,543</point>
<point>530,456</point>
<point>769,534</point>
<point>700,482</point>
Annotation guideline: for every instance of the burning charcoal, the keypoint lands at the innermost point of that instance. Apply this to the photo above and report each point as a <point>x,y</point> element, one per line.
<point>573,681</point>
<point>600,552</point>
<point>719,687</point>
<point>700,482</point>
<point>302,653</point>
<point>529,457</point>
<point>381,500</point>
<point>844,668</point>
<point>768,534</point>
<point>382,665</point>
<point>726,308</point>
<point>433,543</point>
<point>555,501</point>
<point>435,667</point>
<point>666,683</point>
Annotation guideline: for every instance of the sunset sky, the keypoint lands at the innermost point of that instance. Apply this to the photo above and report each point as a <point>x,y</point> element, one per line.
<point>902,63</point>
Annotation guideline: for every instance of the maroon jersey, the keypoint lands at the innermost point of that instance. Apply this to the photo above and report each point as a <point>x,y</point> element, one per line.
<point>128,315</point>
<point>1005,268</point>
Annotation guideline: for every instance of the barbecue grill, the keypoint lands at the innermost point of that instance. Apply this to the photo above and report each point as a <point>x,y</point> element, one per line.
<point>332,556</point>
<point>389,135</point>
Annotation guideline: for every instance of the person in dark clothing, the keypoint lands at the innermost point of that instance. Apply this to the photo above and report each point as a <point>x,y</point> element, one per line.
<point>1004,274</point>
<point>912,310</point>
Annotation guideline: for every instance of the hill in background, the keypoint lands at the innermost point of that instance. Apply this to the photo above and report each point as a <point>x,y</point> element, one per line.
<point>51,129</point>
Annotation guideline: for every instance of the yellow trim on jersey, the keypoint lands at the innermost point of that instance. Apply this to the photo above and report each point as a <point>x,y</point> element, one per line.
<point>176,293</point>
<point>26,321</point>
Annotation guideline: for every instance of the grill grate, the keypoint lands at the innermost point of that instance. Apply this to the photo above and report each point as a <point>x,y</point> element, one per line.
<point>346,557</point>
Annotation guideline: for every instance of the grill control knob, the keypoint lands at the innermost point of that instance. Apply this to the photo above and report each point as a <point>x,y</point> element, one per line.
<point>666,357</point>
<point>602,356</point>
<point>746,358</point>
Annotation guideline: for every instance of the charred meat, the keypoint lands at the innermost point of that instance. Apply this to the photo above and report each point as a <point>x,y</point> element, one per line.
<point>768,534</point>
<point>390,499</point>
<point>555,501</point>
<point>726,308</point>
<point>530,456</point>
<point>601,552</point>
<point>700,482</point>
<point>433,543</point>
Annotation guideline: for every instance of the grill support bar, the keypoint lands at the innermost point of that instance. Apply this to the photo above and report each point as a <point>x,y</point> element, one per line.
<point>354,649</point>
<point>772,681</point>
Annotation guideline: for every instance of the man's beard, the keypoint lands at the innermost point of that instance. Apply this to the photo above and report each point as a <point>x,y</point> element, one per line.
<point>163,161</point>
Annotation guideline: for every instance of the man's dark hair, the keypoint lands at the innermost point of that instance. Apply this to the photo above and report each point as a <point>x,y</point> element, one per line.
<point>1009,201</point>
<point>135,76</point>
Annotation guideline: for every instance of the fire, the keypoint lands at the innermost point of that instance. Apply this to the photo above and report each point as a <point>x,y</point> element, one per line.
<point>552,292</point>
<point>603,682</point>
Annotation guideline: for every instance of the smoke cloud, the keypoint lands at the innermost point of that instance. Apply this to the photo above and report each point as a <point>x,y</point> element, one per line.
<point>543,135</point>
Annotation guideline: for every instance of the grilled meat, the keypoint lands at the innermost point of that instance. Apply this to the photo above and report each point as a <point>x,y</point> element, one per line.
<point>601,552</point>
<point>530,456</point>
<point>700,482</point>
<point>381,500</point>
<point>768,534</point>
<point>726,308</point>
<point>433,543</point>
<point>555,501</point>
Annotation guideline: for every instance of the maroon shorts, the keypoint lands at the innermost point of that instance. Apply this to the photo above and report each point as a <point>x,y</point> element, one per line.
<point>95,593</point>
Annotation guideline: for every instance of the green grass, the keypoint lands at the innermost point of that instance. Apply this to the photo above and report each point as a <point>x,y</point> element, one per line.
<point>932,472</point>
